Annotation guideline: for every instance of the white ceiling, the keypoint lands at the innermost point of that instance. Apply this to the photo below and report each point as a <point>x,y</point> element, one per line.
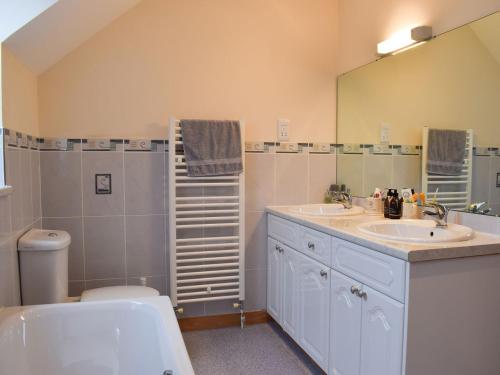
<point>62,28</point>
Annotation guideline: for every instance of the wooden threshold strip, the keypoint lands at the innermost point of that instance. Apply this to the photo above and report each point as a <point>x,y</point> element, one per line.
<point>221,321</point>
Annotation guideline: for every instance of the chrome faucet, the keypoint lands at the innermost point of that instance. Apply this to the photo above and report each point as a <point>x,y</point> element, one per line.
<point>342,197</point>
<point>439,215</point>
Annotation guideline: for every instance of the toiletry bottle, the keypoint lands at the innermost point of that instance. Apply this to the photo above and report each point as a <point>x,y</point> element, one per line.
<point>395,205</point>
<point>387,203</point>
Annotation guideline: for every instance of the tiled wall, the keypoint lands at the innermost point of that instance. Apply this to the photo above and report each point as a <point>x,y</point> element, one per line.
<point>117,238</point>
<point>362,168</point>
<point>486,180</point>
<point>19,210</point>
<point>122,237</point>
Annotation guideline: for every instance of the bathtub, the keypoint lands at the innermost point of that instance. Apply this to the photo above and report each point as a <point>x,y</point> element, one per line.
<point>121,337</point>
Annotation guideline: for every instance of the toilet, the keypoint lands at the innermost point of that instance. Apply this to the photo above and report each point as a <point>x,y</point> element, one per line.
<point>43,264</point>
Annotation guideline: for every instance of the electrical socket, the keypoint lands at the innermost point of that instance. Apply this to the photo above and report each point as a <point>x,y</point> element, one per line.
<point>283,125</point>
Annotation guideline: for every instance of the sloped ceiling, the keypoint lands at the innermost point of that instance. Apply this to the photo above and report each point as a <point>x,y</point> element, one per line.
<point>488,32</point>
<point>62,28</point>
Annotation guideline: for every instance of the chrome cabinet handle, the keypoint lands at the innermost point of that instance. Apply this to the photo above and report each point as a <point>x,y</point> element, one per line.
<point>355,290</point>
<point>362,294</point>
<point>310,245</point>
<point>277,248</point>
<point>323,273</point>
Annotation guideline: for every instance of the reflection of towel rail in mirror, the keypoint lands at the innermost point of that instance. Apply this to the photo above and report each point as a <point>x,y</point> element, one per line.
<point>458,188</point>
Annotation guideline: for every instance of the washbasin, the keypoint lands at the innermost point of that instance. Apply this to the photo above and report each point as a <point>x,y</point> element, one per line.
<point>423,231</point>
<point>326,210</point>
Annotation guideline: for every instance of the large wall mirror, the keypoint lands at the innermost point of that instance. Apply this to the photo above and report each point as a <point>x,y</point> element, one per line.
<point>450,82</point>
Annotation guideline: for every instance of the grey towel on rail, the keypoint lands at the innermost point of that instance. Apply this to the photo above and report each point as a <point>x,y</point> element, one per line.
<point>446,151</point>
<point>212,148</point>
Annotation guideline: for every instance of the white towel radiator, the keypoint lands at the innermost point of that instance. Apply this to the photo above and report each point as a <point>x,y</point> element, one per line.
<point>206,228</point>
<point>453,191</point>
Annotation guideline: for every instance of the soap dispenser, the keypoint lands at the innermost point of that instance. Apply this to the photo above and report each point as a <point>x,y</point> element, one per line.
<point>387,202</point>
<point>395,206</point>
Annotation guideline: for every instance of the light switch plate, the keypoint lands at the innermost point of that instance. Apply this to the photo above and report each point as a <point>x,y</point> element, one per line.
<point>385,133</point>
<point>103,183</point>
<point>283,125</point>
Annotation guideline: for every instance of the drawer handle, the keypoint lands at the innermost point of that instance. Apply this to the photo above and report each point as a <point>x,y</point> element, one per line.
<point>310,245</point>
<point>323,273</point>
<point>355,290</point>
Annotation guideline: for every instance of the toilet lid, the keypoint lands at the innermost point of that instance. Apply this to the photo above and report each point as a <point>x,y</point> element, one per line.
<point>118,292</point>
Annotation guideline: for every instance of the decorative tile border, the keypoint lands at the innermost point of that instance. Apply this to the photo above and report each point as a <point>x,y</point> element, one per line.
<point>17,139</point>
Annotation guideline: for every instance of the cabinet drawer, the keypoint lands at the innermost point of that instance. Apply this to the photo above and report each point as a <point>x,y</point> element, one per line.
<point>285,231</point>
<point>317,245</point>
<point>379,271</point>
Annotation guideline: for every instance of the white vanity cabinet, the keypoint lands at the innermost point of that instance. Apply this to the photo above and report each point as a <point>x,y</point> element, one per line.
<point>366,335</point>
<point>321,290</point>
<point>298,298</point>
<point>360,311</point>
<point>314,309</point>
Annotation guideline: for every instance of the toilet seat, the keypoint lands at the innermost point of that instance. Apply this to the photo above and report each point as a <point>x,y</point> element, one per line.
<point>118,292</point>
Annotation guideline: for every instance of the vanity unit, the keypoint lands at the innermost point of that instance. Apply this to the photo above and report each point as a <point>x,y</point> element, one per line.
<point>361,306</point>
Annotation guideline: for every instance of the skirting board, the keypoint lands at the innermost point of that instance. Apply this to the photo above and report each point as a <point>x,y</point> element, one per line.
<point>221,321</point>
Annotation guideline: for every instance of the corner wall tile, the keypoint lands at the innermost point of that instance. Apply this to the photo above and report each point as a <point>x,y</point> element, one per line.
<point>377,172</point>
<point>406,172</point>
<point>292,179</point>
<point>259,180</point>
<point>36,184</point>
<point>145,245</point>
<point>256,240</point>
<point>350,172</point>
<point>61,183</point>
<point>145,183</point>
<point>104,247</point>
<point>322,173</point>
<point>255,290</point>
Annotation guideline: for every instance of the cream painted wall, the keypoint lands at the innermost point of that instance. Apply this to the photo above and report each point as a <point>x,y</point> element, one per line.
<point>451,82</point>
<point>364,23</point>
<point>258,60</point>
<point>19,95</point>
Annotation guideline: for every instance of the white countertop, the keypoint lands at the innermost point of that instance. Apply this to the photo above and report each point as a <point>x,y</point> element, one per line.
<point>346,228</point>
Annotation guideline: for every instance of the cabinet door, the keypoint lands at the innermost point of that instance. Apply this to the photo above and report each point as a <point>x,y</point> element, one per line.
<point>382,334</point>
<point>345,326</point>
<point>314,308</point>
<point>290,292</point>
<point>274,279</point>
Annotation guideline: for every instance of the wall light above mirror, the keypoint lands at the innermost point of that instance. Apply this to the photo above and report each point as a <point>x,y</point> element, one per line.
<point>450,82</point>
<point>404,39</point>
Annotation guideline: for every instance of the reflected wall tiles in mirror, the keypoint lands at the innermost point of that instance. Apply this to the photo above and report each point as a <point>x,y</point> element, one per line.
<point>451,82</point>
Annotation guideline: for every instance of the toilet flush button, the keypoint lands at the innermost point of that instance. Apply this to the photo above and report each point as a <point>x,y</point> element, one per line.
<point>52,234</point>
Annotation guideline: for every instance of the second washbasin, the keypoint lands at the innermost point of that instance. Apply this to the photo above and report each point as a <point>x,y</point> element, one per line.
<point>423,231</point>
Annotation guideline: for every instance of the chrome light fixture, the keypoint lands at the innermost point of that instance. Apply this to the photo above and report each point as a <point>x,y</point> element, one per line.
<point>404,40</point>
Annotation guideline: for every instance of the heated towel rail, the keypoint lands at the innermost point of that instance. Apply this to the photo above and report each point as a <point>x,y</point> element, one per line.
<point>206,229</point>
<point>452,191</point>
